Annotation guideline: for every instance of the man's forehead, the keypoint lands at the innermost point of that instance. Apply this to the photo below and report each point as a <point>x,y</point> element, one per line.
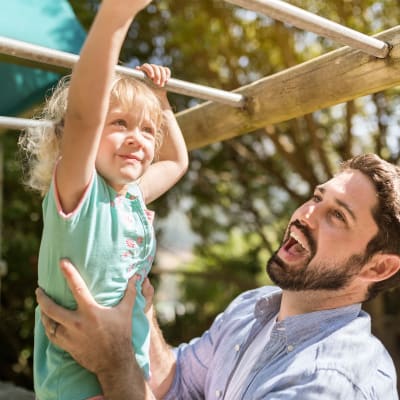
<point>352,188</point>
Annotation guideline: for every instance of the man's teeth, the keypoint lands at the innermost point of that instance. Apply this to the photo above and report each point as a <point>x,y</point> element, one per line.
<point>297,239</point>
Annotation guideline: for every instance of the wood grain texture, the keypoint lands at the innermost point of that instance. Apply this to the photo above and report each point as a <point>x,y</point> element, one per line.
<point>333,78</point>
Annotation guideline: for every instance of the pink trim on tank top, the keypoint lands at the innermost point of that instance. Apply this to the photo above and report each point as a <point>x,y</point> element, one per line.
<point>57,198</point>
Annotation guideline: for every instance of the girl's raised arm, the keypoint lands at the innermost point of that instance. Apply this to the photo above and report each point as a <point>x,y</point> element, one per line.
<point>88,98</point>
<point>172,159</point>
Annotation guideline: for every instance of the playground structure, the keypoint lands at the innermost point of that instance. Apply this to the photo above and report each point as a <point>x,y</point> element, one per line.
<point>366,65</point>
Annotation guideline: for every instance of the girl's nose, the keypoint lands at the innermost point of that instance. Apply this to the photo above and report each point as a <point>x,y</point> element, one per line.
<point>134,137</point>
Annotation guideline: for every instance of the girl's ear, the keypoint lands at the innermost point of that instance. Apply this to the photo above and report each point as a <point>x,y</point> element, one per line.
<point>381,267</point>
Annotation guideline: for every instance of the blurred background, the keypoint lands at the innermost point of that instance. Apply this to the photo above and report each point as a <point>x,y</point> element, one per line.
<point>218,226</point>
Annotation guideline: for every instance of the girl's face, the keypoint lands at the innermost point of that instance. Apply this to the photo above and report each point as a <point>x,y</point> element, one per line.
<point>126,148</point>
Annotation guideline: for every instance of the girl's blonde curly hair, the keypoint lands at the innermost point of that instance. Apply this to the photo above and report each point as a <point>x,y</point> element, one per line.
<point>40,145</point>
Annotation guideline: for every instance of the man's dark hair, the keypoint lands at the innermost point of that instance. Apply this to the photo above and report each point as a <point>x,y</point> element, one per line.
<point>386,179</point>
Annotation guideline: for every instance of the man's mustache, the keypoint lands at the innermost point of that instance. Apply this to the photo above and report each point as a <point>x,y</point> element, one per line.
<point>308,235</point>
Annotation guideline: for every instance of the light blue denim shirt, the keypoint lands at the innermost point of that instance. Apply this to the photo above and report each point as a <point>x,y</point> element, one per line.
<point>323,355</point>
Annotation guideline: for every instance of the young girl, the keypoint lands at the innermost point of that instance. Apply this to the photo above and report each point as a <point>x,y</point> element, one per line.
<point>95,169</point>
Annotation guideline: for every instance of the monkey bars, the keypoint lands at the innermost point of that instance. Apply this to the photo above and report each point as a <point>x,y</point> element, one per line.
<point>285,12</point>
<point>57,58</point>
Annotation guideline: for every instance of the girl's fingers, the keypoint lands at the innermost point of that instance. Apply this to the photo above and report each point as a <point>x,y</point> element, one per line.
<point>168,73</point>
<point>163,76</point>
<point>158,74</point>
<point>147,69</point>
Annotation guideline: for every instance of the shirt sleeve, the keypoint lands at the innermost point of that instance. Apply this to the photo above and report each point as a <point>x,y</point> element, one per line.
<point>327,384</point>
<point>192,364</point>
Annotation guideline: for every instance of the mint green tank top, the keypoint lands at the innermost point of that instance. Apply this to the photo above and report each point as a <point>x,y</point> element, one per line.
<point>109,238</point>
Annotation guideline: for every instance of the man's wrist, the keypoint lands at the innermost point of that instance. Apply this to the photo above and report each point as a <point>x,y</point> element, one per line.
<point>122,379</point>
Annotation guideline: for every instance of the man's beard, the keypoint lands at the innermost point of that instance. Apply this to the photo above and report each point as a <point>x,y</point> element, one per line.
<point>320,276</point>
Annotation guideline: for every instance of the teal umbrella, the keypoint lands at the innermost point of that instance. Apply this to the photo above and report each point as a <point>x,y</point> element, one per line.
<point>48,23</point>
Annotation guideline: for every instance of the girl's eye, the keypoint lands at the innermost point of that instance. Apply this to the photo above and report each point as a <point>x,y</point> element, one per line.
<point>120,122</point>
<point>149,129</point>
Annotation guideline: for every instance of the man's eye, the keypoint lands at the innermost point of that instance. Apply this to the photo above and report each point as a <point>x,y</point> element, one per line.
<point>338,215</point>
<point>316,198</point>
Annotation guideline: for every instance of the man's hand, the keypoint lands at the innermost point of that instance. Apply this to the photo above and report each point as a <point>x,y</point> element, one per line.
<point>148,294</point>
<point>97,337</point>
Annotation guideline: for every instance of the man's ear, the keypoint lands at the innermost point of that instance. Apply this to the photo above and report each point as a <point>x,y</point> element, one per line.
<point>381,267</point>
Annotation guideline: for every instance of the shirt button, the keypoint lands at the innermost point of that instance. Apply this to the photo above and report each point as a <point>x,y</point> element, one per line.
<point>237,347</point>
<point>218,393</point>
<point>290,348</point>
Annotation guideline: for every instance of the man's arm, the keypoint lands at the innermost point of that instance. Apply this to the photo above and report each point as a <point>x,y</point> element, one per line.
<point>162,359</point>
<point>97,337</point>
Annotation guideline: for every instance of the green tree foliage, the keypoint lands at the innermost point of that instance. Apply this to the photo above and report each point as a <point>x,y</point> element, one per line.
<point>20,241</point>
<point>240,192</point>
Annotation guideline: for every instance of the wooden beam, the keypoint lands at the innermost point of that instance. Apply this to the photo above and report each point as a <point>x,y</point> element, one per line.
<point>333,78</point>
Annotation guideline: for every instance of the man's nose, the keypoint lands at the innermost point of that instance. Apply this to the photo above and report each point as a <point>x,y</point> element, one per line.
<point>309,215</point>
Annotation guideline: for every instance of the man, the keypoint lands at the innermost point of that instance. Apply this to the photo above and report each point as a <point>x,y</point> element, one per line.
<point>307,339</point>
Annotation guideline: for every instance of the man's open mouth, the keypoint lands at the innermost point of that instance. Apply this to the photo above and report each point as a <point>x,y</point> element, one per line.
<point>295,246</point>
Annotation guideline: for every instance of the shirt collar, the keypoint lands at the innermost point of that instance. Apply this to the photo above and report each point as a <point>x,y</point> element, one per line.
<point>301,327</point>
